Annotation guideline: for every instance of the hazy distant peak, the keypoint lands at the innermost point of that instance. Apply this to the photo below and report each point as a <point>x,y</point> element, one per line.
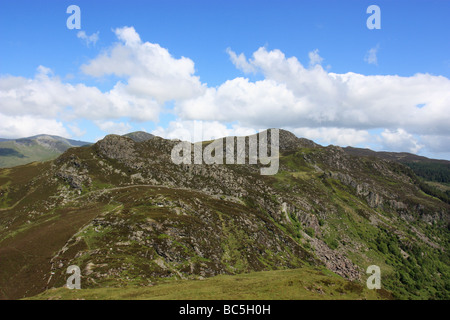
<point>40,147</point>
<point>139,136</point>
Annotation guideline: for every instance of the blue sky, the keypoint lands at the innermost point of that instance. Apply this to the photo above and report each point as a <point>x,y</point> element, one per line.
<point>340,83</point>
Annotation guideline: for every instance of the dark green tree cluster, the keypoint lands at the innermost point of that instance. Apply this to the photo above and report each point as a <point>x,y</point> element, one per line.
<point>435,192</point>
<point>420,274</point>
<point>421,172</point>
<point>431,171</point>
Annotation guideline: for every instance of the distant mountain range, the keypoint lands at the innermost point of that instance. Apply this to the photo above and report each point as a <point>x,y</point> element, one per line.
<point>139,136</point>
<point>394,156</point>
<point>43,147</point>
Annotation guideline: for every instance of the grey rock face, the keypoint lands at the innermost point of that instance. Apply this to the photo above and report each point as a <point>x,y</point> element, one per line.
<point>74,173</point>
<point>117,147</point>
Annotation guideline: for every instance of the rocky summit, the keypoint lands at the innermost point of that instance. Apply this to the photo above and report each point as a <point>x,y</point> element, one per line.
<point>123,212</point>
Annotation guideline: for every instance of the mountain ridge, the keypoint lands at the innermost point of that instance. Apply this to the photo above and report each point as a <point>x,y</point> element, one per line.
<point>289,141</point>
<point>391,155</point>
<point>127,215</point>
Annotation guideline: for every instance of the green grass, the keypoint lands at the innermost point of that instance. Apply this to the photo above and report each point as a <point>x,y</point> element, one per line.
<point>25,154</point>
<point>297,284</point>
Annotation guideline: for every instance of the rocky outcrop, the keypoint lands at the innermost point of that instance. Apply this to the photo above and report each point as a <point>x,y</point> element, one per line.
<point>289,142</point>
<point>74,173</point>
<point>117,147</point>
<point>336,261</point>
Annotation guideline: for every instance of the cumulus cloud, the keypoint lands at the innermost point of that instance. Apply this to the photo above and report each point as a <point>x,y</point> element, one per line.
<point>294,96</point>
<point>314,57</point>
<point>253,104</point>
<point>437,143</point>
<point>399,140</point>
<point>47,96</point>
<point>150,71</point>
<point>76,130</point>
<point>149,76</point>
<point>195,131</point>
<point>128,35</point>
<point>88,40</point>
<point>26,126</point>
<point>320,105</point>
<point>335,136</point>
<point>112,127</point>
<point>240,62</point>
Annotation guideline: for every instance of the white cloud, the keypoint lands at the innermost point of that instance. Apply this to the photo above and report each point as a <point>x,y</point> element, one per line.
<point>336,136</point>
<point>436,143</point>
<point>195,131</point>
<point>399,140</point>
<point>26,126</point>
<point>76,130</point>
<point>314,57</point>
<point>255,104</point>
<point>150,77</point>
<point>112,127</point>
<point>92,39</point>
<point>149,70</point>
<point>128,35</point>
<point>46,96</point>
<point>240,62</point>
<point>294,96</point>
<point>371,56</point>
<point>44,71</point>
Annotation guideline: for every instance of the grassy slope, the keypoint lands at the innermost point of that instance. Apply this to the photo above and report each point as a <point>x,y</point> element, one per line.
<point>296,284</point>
<point>28,154</point>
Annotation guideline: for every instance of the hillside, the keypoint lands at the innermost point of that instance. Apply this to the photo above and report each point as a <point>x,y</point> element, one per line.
<point>129,217</point>
<point>14,152</point>
<point>433,174</point>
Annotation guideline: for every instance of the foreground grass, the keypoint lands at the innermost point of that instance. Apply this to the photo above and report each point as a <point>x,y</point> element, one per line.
<point>297,284</point>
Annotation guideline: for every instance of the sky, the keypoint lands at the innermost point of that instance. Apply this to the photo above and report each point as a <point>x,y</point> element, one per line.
<point>230,68</point>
